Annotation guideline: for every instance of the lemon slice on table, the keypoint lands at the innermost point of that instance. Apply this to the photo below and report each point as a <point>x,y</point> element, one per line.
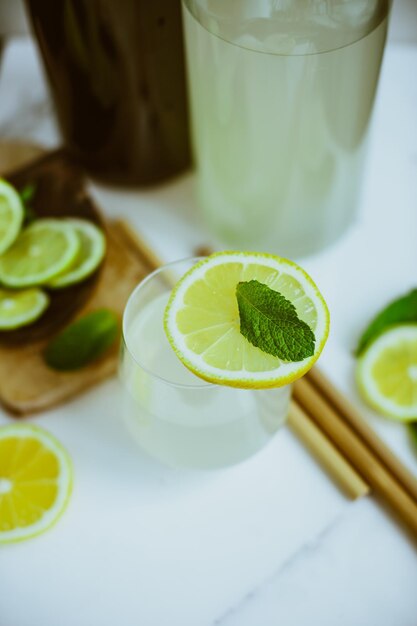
<point>11,215</point>
<point>18,308</point>
<point>387,373</point>
<point>202,319</point>
<point>43,250</point>
<point>35,481</point>
<point>89,257</point>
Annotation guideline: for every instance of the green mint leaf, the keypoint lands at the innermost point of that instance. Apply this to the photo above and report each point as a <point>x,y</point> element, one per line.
<point>26,195</point>
<point>270,322</point>
<point>83,341</point>
<point>399,311</point>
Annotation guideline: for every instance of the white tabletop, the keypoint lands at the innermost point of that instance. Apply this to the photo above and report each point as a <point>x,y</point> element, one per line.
<point>271,541</point>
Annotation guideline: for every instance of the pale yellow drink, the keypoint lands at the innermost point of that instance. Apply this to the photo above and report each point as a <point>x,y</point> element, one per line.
<point>174,415</point>
<point>282,95</point>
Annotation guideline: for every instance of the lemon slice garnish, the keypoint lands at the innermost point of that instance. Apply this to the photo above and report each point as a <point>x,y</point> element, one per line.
<point>203,327</point>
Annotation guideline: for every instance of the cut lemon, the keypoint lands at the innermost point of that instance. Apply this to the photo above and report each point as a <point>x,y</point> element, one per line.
<point>203,327</point>
<point>18,308</point>
<point>92,250</point>
<point>35,481</point>
<point>46,248</point>
<point>11,215</point>
<point>387,373</point>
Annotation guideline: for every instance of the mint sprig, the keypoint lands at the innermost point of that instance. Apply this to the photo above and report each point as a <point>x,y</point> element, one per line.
<point>270,322</point>
<point>400,311</point>
<point>26,195</point>
<point>83,341</point>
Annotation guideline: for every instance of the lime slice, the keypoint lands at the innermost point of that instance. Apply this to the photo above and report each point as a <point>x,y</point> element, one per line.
<point>11,215</point>
<point>35,481</point>
<point>18,308</point>
<point>46,248</point>
<point>203,326</point>
<point>92,250</point>
<point>387,373</point>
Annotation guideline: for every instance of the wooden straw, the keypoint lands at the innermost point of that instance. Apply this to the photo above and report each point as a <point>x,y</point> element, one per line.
<point>365,432</point>
<point>328,455</point>
<point>356,451</point>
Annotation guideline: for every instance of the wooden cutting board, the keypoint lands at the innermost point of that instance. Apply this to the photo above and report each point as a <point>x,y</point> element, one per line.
<point>27,384</point>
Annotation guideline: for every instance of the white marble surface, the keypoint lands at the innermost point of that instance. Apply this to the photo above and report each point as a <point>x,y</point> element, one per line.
<point>271,541</point>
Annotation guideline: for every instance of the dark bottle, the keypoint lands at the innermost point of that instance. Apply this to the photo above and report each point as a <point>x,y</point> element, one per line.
<point>117,75</point>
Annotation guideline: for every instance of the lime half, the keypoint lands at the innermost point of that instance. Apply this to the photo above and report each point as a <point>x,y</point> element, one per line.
<point>19,308</point>
<point>46,248</point>
<point>89,257</point>
<point>202,320</point>
<point>11,215</point>
<point>387,373</point>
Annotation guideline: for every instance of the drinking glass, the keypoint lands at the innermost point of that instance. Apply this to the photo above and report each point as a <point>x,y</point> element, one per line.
<point>281,100</point>
<point>175,416</point>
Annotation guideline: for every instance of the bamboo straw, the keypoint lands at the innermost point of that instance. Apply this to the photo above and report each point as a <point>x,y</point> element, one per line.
<point>369,437</point>
<point>328,455</point>
<point>356,451</point>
